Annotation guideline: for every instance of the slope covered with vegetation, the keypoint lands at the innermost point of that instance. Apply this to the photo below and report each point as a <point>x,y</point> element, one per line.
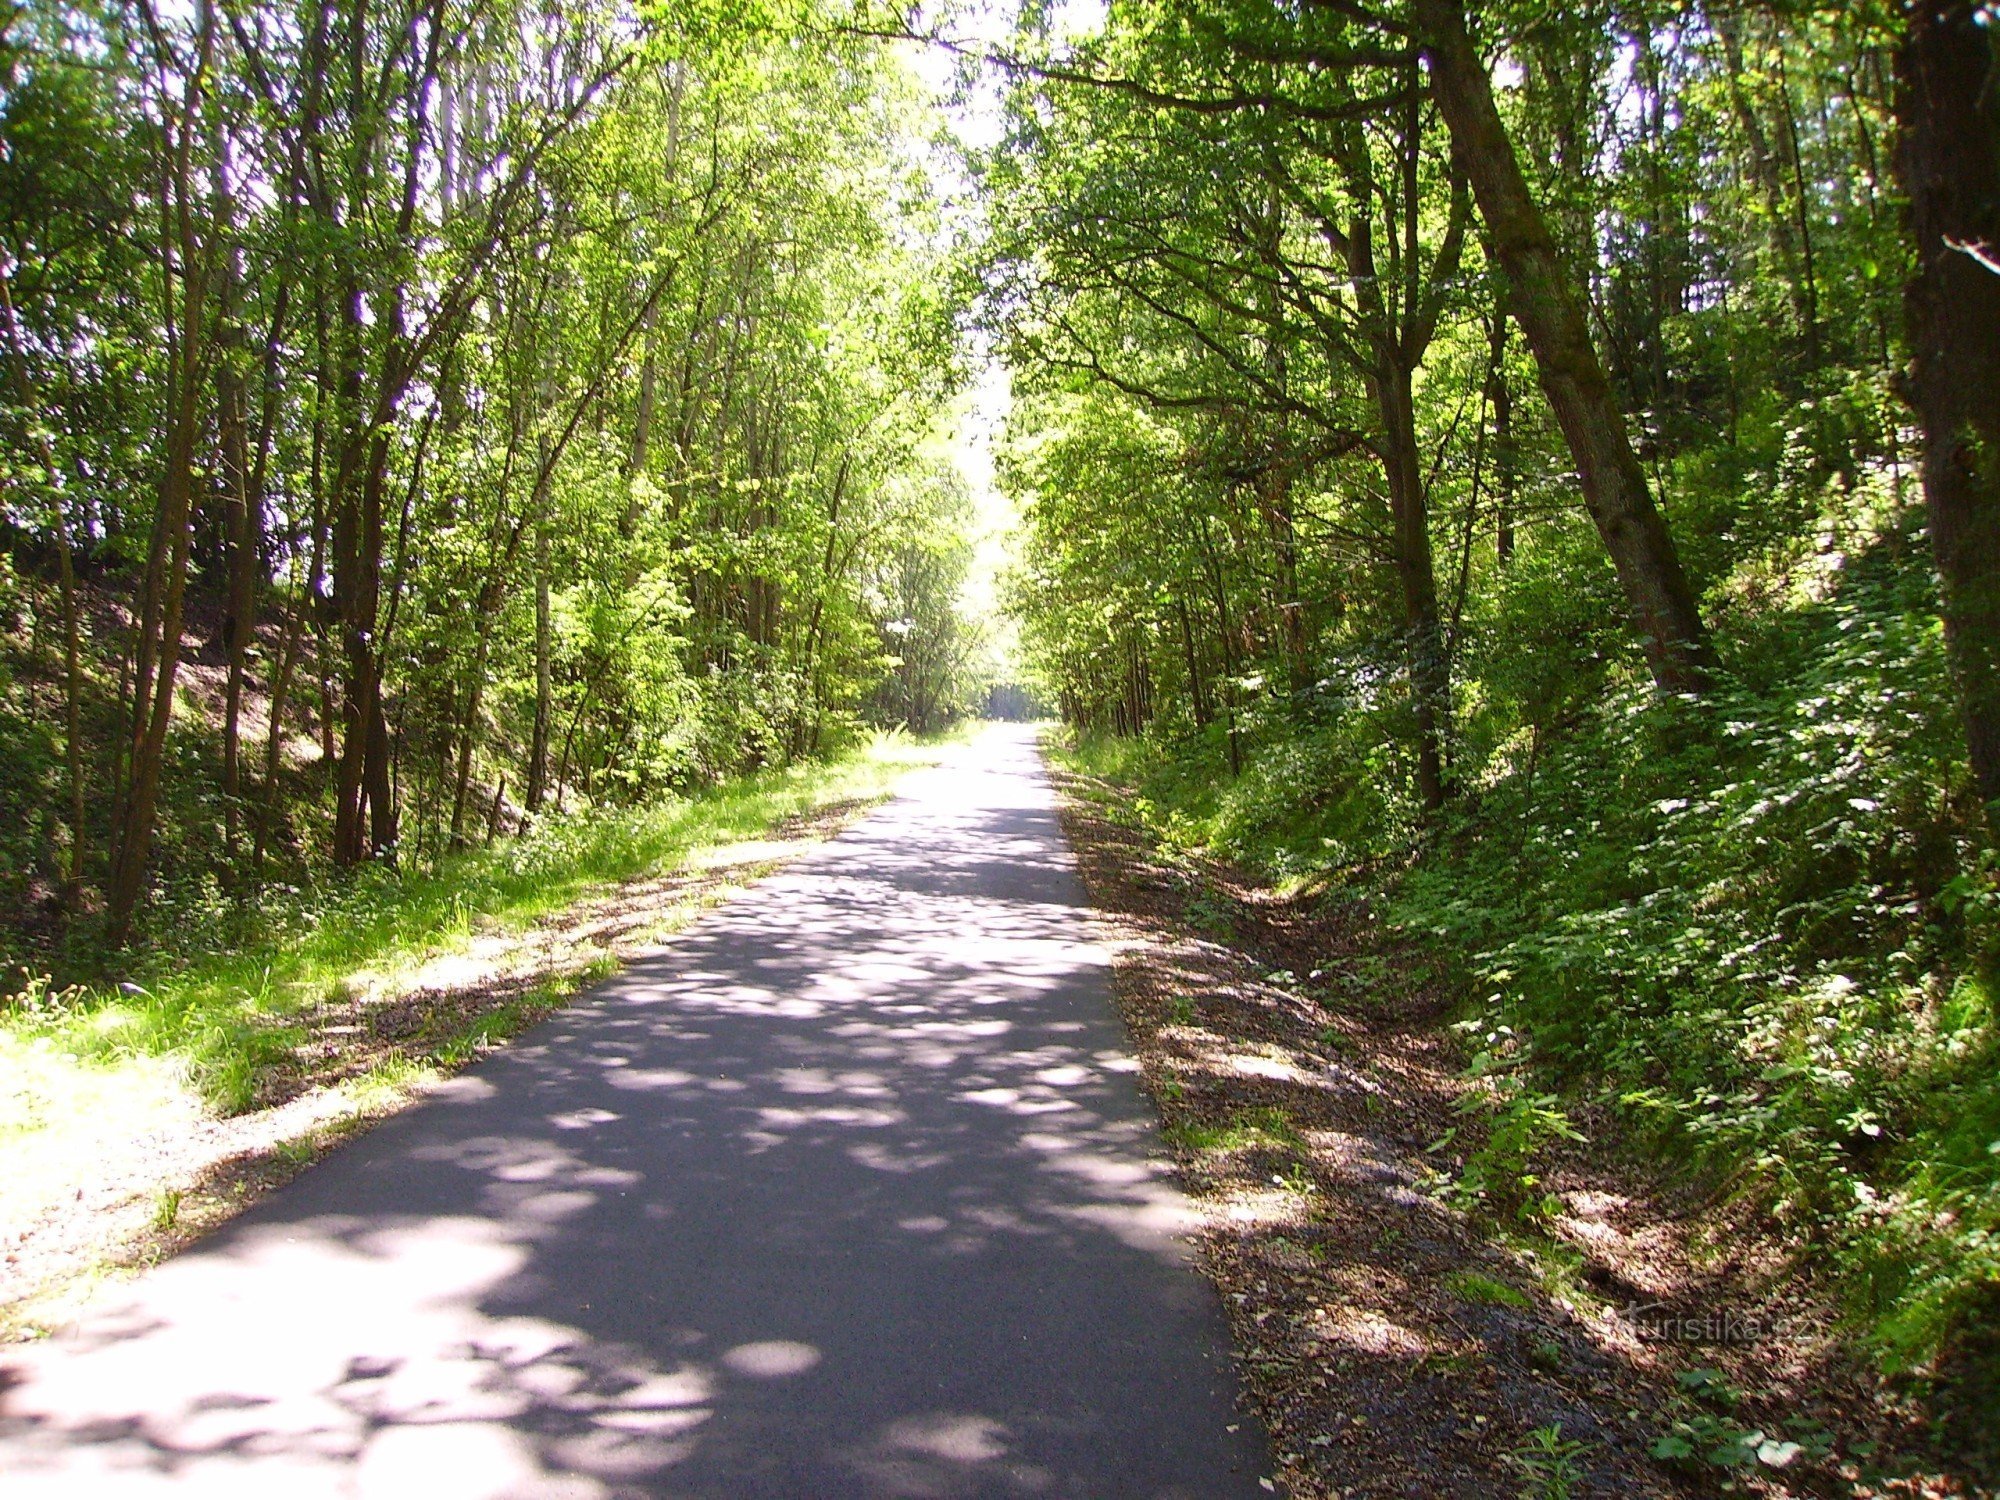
<point>1529,472</point>
<point>1486,467</point>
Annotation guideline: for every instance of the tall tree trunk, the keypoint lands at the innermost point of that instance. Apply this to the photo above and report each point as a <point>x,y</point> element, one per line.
<point>1948,104</point>
<point>274,743</point>
<point>242,480</point>
<point>357,553</point>
<point>362,772</point>
<point>468,738</point>
<point>1397,308</point>
<point>1416,576</point>
<point>243,527</point>
<point>1197,689</point>
<point>1506,461</point>
<point>1274,482</point>
<point>1220,593</point>
<point>1551,314</point>
<point>1801,220</point>
<point>157,658</point>
<point>157,642</point>
<point>379,770</point>
<point>1764,170</point>
<point>538,749</point>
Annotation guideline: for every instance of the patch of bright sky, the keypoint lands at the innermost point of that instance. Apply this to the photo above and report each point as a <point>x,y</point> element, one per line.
<point>969,103</point>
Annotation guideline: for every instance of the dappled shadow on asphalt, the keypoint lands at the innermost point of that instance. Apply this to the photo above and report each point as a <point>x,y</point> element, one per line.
<point>849,1192</point>
<point>359,1027</point>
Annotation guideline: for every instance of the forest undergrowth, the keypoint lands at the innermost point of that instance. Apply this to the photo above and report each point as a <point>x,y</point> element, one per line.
<point>1747,941</point>
<point>1395,1335</point>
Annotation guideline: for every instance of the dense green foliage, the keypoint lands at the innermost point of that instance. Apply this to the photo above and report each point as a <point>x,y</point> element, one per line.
<point>1307,563</point>
<point>413,418</point>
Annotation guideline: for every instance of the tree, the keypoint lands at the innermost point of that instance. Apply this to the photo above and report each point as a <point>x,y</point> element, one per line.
<point>513,399</point>
<point>1949,109</point>
<point>1542,299</point>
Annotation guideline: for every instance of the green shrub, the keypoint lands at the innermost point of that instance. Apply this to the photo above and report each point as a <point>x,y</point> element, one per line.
<point>1762,928</point>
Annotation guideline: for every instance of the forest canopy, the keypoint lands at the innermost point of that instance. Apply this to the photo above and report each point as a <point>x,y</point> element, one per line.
<point>420,418</point>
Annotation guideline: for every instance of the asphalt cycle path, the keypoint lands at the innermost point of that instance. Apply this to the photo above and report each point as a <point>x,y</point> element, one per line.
<point>848,1191</point>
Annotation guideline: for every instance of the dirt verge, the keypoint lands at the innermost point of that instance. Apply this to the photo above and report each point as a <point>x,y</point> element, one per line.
<point>1394,1345</point>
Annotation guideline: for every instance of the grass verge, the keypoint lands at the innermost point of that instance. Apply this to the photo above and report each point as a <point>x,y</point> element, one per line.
<point>217,1069</point>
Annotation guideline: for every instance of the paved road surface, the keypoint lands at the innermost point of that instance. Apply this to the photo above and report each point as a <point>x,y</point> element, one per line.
<point>849,1193</point>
